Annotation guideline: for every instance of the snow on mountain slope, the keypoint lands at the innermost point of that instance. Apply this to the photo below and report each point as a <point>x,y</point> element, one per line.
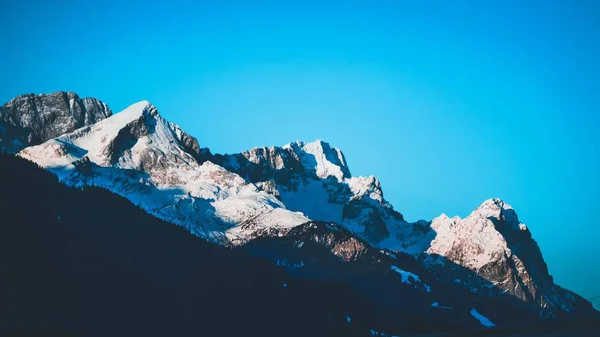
<point>314,178</point>
<point>410,278</point>
<point>476,236</point>
<point>138,154</point>
<point>482,319</point>
<point>322,158</point>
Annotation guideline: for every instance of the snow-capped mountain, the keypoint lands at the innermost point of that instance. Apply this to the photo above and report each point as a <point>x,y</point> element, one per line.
<point>499,248</point>
<point>272,192</point>
<point>139,155</point>
<point>33,119</point>
<point>491,243</point>
<point>313,178</point>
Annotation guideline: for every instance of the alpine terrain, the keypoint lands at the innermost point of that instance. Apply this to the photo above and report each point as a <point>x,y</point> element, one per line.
<point>299,207</point>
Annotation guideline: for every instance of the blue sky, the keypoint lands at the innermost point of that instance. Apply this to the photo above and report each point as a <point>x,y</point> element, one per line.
<point>447,102</point>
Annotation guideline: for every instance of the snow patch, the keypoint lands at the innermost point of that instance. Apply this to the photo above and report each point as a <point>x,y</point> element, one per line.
<point>320,157</point>
<point>410,278</point>
<point>482,319</point>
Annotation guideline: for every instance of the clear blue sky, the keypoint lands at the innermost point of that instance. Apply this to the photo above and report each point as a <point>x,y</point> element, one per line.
<point>447,102</point>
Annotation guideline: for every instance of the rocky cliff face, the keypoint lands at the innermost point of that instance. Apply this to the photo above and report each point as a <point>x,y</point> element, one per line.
<point>314,178</point>
<point>33,119</point>
<point>271,192</point>
<point>494,244</point>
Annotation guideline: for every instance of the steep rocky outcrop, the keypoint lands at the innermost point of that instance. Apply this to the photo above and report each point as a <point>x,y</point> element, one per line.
<point>314,178</point>
<point>33,119</point>
<point>494,244</point>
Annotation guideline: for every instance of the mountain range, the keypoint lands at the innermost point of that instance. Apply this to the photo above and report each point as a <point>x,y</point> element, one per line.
<point>298,206</point>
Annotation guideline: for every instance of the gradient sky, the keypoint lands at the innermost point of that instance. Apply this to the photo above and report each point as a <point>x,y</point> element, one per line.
<point>447,102</point>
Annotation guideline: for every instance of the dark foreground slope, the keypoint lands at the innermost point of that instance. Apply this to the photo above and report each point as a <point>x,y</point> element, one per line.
<point>574,327</point>
<point>85,262</point>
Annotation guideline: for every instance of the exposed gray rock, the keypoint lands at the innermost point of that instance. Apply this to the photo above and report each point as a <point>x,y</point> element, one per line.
<point>33,119</point>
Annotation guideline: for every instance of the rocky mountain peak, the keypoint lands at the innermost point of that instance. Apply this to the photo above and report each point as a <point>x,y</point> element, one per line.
<point>494,244</point>
<point>366,187</point>
<point>287,165</point>
<point>481,238</point>
<point>320,157</point>
<point>33,119</point>
<point>497,211</point>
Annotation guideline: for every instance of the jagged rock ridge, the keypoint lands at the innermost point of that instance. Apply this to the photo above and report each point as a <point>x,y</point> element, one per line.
<point>33,119</point>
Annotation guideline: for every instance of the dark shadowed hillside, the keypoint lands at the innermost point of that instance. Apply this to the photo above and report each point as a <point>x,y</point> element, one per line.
<point>86,262</point>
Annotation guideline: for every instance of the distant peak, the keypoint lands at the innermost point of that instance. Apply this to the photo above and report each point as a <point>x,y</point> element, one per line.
<point>494,204</point>
<point>143,105</point>
<point>445,217</point>
<point>139,108</point>
<point>319,142</point>
<point>141,111</point>
<point>317,146</point>
<point>498,209</point>
<point>329,161</point>
<point>56,94</point>
<point>143,102</point>
<point>314,144</point>
<point>41,117</point>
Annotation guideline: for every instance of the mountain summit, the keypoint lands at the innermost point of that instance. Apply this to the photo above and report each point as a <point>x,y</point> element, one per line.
<point>33,119</point>
<point>300,195</point>
<point>493,242</point>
